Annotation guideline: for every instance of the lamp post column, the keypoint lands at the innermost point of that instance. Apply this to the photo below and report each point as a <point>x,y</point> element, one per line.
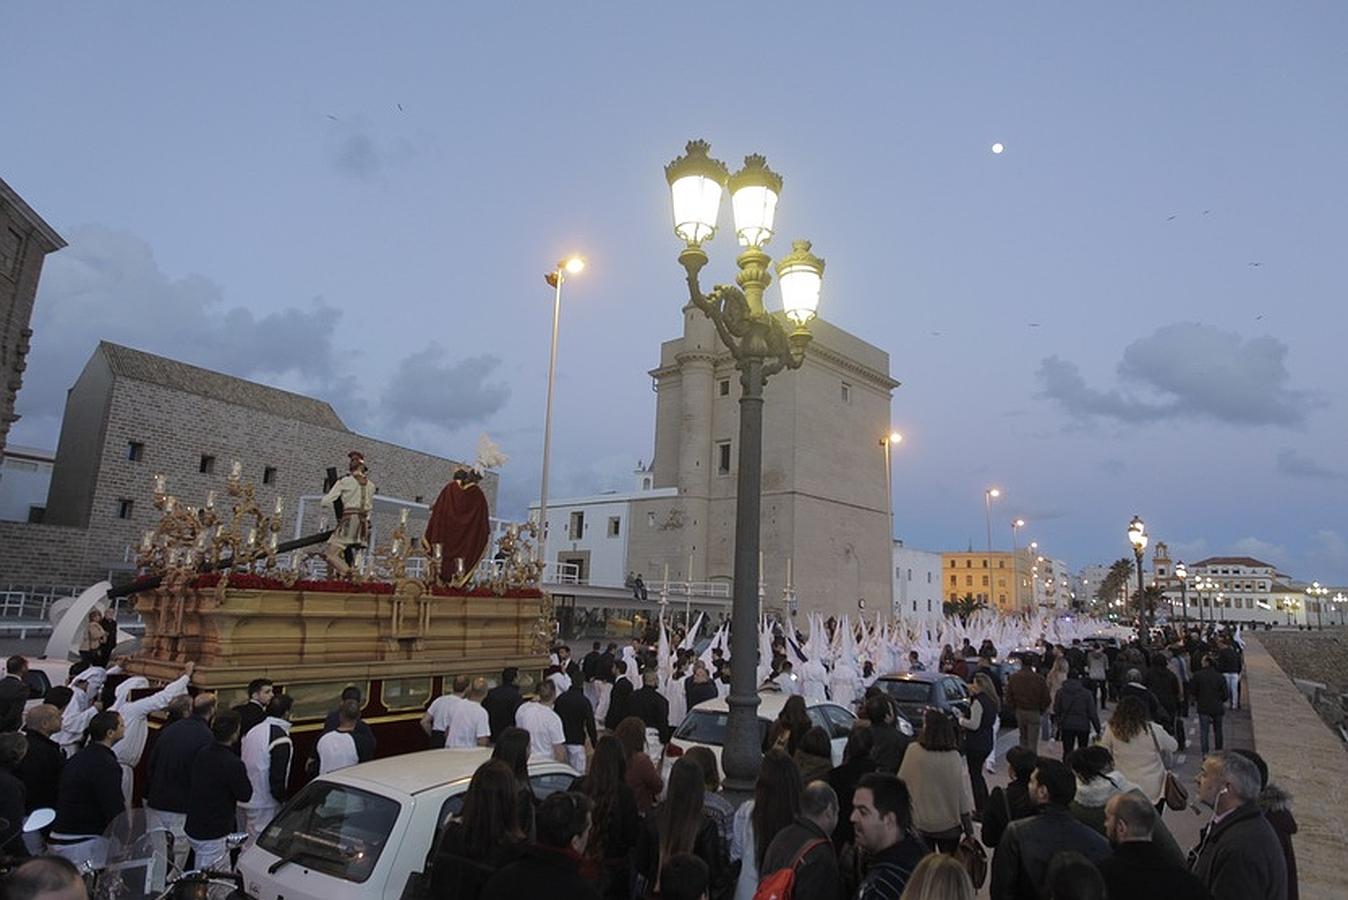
<point>1184,599</point>
<point>741,756</point>
<point>556,279</point>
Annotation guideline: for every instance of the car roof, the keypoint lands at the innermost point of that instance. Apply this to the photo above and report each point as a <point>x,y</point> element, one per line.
<point>411,773</point>
<point>928,677</point>
<point>770,704</point>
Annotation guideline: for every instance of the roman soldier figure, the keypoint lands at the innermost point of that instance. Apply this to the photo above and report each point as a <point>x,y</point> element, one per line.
<point>352,499</point>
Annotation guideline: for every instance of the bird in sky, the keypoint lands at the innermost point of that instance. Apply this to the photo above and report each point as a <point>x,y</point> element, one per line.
<point>331,116</point>
<point>1034,324</point>
<point>1170,218</point>
<point>1257,318</point>
<point>1256,264</point>
<point>400,107</point>
<point>936,334</point>
<point>1206,211</point>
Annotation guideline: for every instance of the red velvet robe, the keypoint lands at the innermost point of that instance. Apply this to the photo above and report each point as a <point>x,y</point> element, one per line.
<point>459,524</point>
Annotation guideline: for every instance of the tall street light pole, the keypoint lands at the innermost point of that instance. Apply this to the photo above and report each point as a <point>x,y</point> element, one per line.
<point>762,346</point>
<point>887,442</point>
<point>1137,536</point>
<point>1016,525</point>
<point>573,265</point>
<point>989,495</point>
<point>1318,593</point>
<point>1183,575</point>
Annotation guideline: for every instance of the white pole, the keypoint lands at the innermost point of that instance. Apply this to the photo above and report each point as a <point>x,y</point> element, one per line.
<point>547,423</point>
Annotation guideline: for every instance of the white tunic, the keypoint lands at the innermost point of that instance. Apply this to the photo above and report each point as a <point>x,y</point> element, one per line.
<point>336,750</point>
<point>135,715</point>
<point>442,711</point>
<point>544,727</point>
<point>468,723</point>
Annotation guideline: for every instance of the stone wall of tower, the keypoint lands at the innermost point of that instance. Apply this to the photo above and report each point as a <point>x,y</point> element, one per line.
<point>696,361</point>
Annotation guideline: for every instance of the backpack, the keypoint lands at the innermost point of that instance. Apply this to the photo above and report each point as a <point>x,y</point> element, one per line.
<point>781,885</point>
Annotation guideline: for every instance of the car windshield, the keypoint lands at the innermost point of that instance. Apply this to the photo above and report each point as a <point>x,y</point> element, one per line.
<point>332,828</point>
<point>704,726</point>
<point>907,691</point>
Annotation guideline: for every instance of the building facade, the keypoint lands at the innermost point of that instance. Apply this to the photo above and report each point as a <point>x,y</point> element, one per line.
<point>1005,581</point>
<point>824,505</point>
<point>131,416</point>
<point>25,241</point>
<point>917,585</point>
<point>25,477</point>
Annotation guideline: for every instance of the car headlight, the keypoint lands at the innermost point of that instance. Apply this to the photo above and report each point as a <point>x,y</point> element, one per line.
<point>906,727</point>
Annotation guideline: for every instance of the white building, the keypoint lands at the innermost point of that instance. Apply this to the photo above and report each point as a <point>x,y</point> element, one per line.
<point>587,537</point>
<point>1052,583</point>
<point>917,584</point>
<point>25,476</point>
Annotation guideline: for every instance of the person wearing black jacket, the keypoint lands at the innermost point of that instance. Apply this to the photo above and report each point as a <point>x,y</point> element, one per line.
<point>90,795</point>
<point>649,705</point>
<point>219,782</point>
<point>13,795</point>
<point>549,867</point>
<point>170,772</point>
<point>1138,867</point>
<point>619,704</point>
<point>40,768</point>
<point>502,701</point>
<point>361,735</point>
<point>890,745</point>
<point>573,708</point>
<point>1210,695</point>
<point>1238,856</point>
<point>817,873</point>
<point>14,693</point>
<point>254,710</point>
<point>1006,805</point>
<point>699,687</point>
<point>1076,715</point>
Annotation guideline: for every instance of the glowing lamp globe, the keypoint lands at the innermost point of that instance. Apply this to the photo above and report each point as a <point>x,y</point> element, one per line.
<point>754,190</point>
<point>800,274</point>
<point>696,182</point>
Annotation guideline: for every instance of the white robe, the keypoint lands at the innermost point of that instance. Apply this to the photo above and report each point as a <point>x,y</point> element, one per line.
<point>678,700</point>
<point>843,684</point>
<point>632,670</point>
<point>815,679</point>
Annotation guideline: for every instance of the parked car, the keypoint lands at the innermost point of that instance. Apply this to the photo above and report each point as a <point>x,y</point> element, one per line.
<point>705,725</point>
<point>362,831</point>
<point>915,692</point>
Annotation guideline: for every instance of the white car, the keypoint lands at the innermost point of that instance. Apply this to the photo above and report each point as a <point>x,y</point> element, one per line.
<point>705,724</point>
<point>360,832</point>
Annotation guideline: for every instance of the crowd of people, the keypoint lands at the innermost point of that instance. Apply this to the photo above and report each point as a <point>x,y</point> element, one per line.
<point>895,818</point>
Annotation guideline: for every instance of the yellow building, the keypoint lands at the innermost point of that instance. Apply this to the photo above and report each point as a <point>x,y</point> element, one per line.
<point>1003,580</point>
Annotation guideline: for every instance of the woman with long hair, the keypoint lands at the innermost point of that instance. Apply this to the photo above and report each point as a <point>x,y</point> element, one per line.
<point>641,776</point>
<point>714,802</point>
<point>791,724</point>
<point>679,825</point>
<point>775,805</point>
<point>938,781</point>
<point>1138,746</point>
<point>1056,678</point>
<point>613,820</point>
<point>980,737</point>
<point>485,836</point>
<point>814,755</point>
<point>512,748</point>
<point>939,876</point>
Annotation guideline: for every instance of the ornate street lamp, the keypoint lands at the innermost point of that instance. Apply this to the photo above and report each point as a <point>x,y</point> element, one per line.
<point>1183,575</point>
<point>1137,536</point>
<point>1318,592</point>
<point>762,347</point>
<point>1339,599</point>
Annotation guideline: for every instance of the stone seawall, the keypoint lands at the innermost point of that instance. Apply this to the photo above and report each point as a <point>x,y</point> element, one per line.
<point>1311,763</point>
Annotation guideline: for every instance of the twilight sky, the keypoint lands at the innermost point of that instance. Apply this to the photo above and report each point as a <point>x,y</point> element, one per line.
<point>1137,308</point>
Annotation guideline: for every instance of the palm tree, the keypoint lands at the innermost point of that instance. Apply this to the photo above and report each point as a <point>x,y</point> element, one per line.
<point>964,607</point>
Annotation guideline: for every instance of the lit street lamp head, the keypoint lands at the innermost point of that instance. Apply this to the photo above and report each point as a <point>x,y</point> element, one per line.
<point>754,190</point>
<point>800,275</point>
<point>895,437</point>
<point>574,265</point>
<point>696,182</point>
<point>994,493</point>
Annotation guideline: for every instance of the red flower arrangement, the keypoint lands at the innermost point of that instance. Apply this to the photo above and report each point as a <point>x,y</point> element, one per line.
<point>249,582</point>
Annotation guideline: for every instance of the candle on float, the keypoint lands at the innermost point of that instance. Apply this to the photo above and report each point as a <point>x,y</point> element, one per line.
<point>295,560</point>
<point>173,557</point>
<point>402,516</point>
<point>147,540</point>
<point>160,484</point>
<point>235,470</point>
<point>397,545</point>
<point>690,567</point>
<point>360,560</point>
<point>272,543</point>
<point>210,499</point>
<point>788,571</point>
<point>438,551</point>
<point>322,523</point>
<point>170,503</point>
<point>252,537</point>
<point>201,541</point>
<point>458,566</point>
<point>190,558</point>
<point>280,505</point>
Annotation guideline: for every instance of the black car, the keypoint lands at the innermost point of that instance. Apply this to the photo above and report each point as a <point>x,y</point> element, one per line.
<point>915,692</point>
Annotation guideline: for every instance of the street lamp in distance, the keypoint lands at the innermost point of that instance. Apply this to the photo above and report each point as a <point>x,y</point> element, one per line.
<point>1318,593</point>
<point>572,265</point>
<point>1137,536</point>
<point>1182,574</point>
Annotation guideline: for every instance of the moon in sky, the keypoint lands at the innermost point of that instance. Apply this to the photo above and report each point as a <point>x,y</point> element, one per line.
<point>997,148</point>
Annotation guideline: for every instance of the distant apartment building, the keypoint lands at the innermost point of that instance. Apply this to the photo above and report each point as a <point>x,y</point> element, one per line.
<point>132,415</point>
<point>25,241</point>
<point>917,585</point>
<point>1005,581</point>
<point>25,476</point>
<point>1242,589</point>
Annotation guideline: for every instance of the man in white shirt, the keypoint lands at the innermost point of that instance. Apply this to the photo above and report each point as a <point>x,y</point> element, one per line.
<point>470,726</point>
<point>337,749</point>
<point>547,739</point>
<point>441,710</point>
<point>135,715</point>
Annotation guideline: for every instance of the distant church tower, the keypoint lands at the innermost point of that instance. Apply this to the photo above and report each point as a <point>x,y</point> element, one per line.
<point>824,492</point>
<point>1162,570</point>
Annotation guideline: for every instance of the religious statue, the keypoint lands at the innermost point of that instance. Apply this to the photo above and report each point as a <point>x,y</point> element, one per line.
<point>460,526</point>
<point>352,500</point>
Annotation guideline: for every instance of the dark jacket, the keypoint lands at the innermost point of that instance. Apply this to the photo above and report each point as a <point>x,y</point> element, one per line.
<point>250,714</point>
<point>889,747</point>
<point>1006,805</point>
<point>541,872</point>
<point>1165,685</point>
<point>1240,858</point>
<point>12,804</point>
<point>843,780</point>
<point>40,770</point>
<point>500,704</point>
<point>1144,696</point>
<point>1020,865</point>
<point>707,846</point>
<point>1210,692</point>
<point>979,742</point>
<point>1140,869</point>
<point>1228,660</point>
<point>1075,707</point>
<point>362,735</point>
<point>619,703</point>
<point>697,692</point>
<point>219,781</point>
<point>170,768</point>
<point>651,707</point>
<point>13,695</point>
<point>90,795</point>
<point>817,875</point>
<point>1277,807</point>
<point>1027,689</point>
<point>457,874</point>
<point>888,871</point>
<point>577,715</point>
<point>589,665</point>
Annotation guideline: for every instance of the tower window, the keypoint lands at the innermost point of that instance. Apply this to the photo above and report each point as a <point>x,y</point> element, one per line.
<point>269,475</point>
<point>135,451</point>
<point>846,392</point>
<point>723,458</point>
<point>207,465</point>
<point>723,387</point>
<point>125,508</point>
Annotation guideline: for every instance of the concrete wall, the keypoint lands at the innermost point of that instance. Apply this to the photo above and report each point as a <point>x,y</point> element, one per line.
<point>80,447</point>
<point>917,585</point>
<point>45,556</point>
<point>25,479</point>
<point>1311,763</point>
